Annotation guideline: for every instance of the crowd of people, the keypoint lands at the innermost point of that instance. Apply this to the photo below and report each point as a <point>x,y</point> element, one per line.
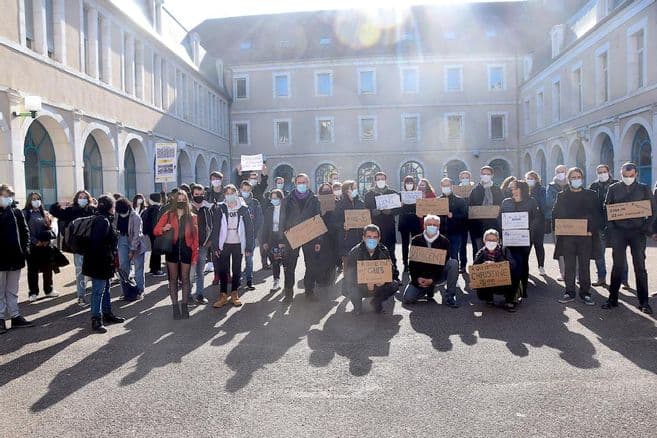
<point>219,228</point>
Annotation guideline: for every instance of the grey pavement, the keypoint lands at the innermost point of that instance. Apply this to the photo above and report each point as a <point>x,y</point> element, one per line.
<point>315,369</point>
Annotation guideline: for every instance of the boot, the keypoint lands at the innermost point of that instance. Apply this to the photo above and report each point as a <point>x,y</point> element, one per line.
<point>221,302</point>
<point>235,298</point>
<point>97,325</point>
<point>176,311</point>
<point>3,327</point>
<point>289,293</point>
<point>184,310</point>
<point>110,318</point>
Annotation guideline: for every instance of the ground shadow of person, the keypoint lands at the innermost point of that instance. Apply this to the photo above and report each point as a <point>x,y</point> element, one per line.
<point>357,338</point>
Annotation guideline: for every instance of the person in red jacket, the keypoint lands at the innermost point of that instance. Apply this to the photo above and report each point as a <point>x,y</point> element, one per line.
<point>181,227</point>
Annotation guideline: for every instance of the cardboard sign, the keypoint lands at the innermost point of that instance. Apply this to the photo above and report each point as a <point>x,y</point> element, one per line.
<point>437,206</point>
<point>490,275</point>
<point>463,191</point>
<point>410,197</point>
<point>515,238</point>
<point>431,256</point>
<point>515,220</point>
<point>629,210</point>
<point>483,211</point>
<point>387,202</point>
<point>306,231</point>
<point>357,218</point>
<point>165,162</point>
<point>571,227</point>
<point>326,203</point>
<point>374,271</point>
<point>251,163</point>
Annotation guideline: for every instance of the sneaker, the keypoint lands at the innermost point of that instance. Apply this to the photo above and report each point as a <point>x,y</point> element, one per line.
<point>600,282</point>
<point>626,286</point>
<point>586,299</point>
<point>82,302</point>
<point>159,274</point>
<point>20,322</point>
<point>3,326</point>
<point>609,305</point>
<point>200,299</point>
<point>52,294</point>
<point>567,298</point>
<point>249,286</point>
<point>541,271</point>
<point>645,308</point>
<point>560,278</point>
<point>276,286</point>
<point>32,298</point>
<point>209,267</point>
<point>451,302</point>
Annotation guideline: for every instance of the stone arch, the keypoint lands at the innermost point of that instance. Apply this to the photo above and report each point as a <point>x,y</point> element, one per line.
<point>453,168</point>
<point>224,170</point>
<point>541,164</point>
<point>527,163</point>
<point>200,169</point>
<point>184,168</point>
<point>556,156</point>
<point>602,141</point>
<point>365,175</point>
<point>109,171</point>
<point>137,179</point>
<point>577,156</point>
<point>624,152</point>
<point>502,168</point>
<point>214,165</point>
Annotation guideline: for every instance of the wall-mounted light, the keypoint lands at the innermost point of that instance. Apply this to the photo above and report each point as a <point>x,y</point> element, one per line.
<point>32,106</point>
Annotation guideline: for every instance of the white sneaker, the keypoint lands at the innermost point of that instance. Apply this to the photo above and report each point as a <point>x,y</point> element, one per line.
<point>52,294</point>
<point>560,278</point>
<point>276,286</point>
<point>33,298</point>
<point>209,267</point>
<point>541,271</point>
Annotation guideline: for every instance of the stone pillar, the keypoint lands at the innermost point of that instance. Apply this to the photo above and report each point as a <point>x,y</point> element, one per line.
<point>157,81</point>
<point>16,156</point>
<point>40,34</point>
<point>139,69</point>
<point>78,142</point>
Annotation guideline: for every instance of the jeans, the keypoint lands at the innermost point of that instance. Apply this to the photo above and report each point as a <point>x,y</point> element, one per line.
<point>636,240</point>
<point>577,259</point>
<point>123,248</point>
<point>79,277</point>
<point>100,297</point>
<point>248,270</point>
<point>9,293</point>
<point>200,268</point>
<point>600,265</point>
<point>290,266</point>
<point>450,275</point>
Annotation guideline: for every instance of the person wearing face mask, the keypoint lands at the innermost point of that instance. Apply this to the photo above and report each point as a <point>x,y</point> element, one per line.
<point>409,224</point>
<point>370,248</point>
<point>334,177</point>
<point>280,185</point>
<point>208,216</point>
<point>181,227</point>
<point>272,235</point>
<point>453,224</point>
<point>99,264</point>
<point>537,192</point>
<point>350,200</point>
<point>138,203</point>
<point>301,205</point>
<point>485,193</point>
<point>15,251</point>
<point>384,219</point>
<point>327,260</point>
<point>425,277</point>
<point>465,180</point>
<point>577,251</point>
<point>258,188</point>
<point>149,218</point>
<point>601,187</point>
<point>493,252</point>
<point>215,193</point>
<point>65,214</point>
<point>255,210</point>
<point>632,233</point>
<point>41,234</point>
<point>559,184</point>
<point>131,245</point>
<point>337,190</point>
<point>506,191</point>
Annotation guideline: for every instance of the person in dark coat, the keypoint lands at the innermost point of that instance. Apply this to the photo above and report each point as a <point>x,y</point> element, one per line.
<point>493,252</point>
<point>409,224</point>
<point>385,219</point>
<point>255,210</point>
<point>559,183</point>
<point>453,224</point>
<point>149,217</point>
<point>537,192</point>
<point>15,250</point>
<point>100,264</point>
<point>347,238</point>
<point>41,235</point>
<point>465,180</point>
<point>327,261</point>
<point>485,193</point>
<point>208,216</point>
<point>577,203</point>
<point>273,240</point>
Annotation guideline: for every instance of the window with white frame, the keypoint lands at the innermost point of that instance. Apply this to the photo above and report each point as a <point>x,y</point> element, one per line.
<point>496,77</point>
<point>282,132</point>
<point>325,127</point>
<point>454,126</point>
<point>410,127</point>
<point>29,24</point>
<point>602,76</point>
<point>497,126</point>
<point>323,83</point>
<point>50,28</point>
<point>540,101</point>
<point>281,85</point>
<point>578,90</point>
<point>366,82</point>
<point>556,101</point>
<point>241,133</point>
<point>367,128</point>
<point>527,63</point>
<point>526,116</point>
<point>454,78</point>
<point>409,80</point>
<point>636,59</point>
<point>241,87</point>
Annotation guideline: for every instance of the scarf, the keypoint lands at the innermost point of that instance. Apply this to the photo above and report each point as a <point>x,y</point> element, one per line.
<point>488,194</point>
<point>495,256</point>
<point>299,195</point>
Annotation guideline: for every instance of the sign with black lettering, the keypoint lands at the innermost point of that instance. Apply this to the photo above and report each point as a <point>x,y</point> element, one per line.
<point>490,275</point>
<point>374,271</point>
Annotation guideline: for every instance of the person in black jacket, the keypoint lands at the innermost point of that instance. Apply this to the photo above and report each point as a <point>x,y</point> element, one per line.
<point>301,205</point>
<point>15,250</point>
<point>409,224</point>
<point>327,261</point>
<point>273,240</point>
<point>384,219</point>
<point>632,233</point>
<point>370,248</point>
<point>149,217</point>
<point>453,225</point>
<point>485,193</point>
<point>425,277</point>
<point>99,264</point>
<point>577,203</point>
<point>215,193</point>
<point>493,252</point>
<point>41,235</point>
<point>208,215</point>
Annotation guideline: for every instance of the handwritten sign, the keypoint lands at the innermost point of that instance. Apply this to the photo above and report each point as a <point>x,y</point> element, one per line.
<point>251,162</point>
<point>571,227</point>
<point>431,256</point>
<point>306,231</point>
<point>410,197</point>
<point>326,203</point>
<point>387,202</point>
<point>483,211</point>
<point>165,162</point>
<point>629,210</point>
<point>437,206</point>
<point>374,271</point>
<point>463,191</point>
<point>357,218</point>
<point>490,275</point>
<point>515,237</point>
<point>515,220</point>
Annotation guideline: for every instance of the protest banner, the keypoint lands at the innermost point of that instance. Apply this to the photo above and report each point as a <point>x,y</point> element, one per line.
<point>571,227</point>
<point>306,231</point>
<point>629,210</point>
<point>374,271</point>
<point>517,220</point>
<point>490,275</point>
<point>387,202</point>
<point>359,218</point>
<point>483,211</point>
<point>165,162</point>
<point>515,238</point>
<point>250,163</point>
<point>437,206</point>
<point>431,256</point>
<point>410,197</point>
<point>463,191</point>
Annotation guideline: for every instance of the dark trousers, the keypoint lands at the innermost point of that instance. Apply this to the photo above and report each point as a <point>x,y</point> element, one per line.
<point>155,262</point>
<point>38,261</point>
<point>232,253</point>
<point>379,295</point>
<point>577,260</point>
<point>463,253</point>
<point>538,237</point>
<point>520,255</point>
<point>389,239</point>
<point>406,243</point>
<point>454,245</point>
<point>620,240</point>
<point>487,293</point>
<point>292,257</point>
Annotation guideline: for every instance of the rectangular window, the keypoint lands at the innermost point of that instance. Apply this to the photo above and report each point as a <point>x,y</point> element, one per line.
<point>282,133</point>
<point>640,58</point>
<point>165,85</point>
<point>241,90</point>
<point>496,77</point>
<point>526,116</point>
<point>556,101</point>
<point>29,23</point>
<point>50,28</point>
<point>577,88</point>
<point>453,78</point>
<point>539,110</point>
<point>367,82</point>
<point>409,77</point>
<point>410,127</point>
<point>245,45</point>
<point>241,133</point>
<point>603,77</point>
<point>325,41</point>
<point>282,85</point>
<point>497,122</point>
<point>101,50</point>
<point>367,128</point>
<point>324,129</point>
<point>454,127</point>
<point>323,84</point>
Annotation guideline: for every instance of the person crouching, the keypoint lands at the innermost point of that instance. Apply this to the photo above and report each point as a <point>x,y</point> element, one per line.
<point>493,252</point>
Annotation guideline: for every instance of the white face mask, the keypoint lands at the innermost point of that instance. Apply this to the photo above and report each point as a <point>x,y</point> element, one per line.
<point>253,182</point>
<point>140,201</point>
<point>531,182</point>
<point>409,187</point>
<point>603,177</point>
<point>124,215</point>
<point>337,192</point>
<point>561,176</point>
<point>36,203</point>
<point>490,246</point>
<point>486,179</point>
<point>629,180</point>
<point>381,184</point>
<point>465,181</point>
<point>446,190</point>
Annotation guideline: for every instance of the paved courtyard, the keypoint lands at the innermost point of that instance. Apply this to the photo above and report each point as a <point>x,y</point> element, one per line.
<point>314,369</point>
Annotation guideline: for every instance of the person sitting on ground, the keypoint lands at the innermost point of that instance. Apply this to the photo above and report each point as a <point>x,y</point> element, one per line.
<point>493,252</point>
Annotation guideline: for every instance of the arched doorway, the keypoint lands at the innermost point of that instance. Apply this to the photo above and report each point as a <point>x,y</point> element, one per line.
<point>214,166</point>
<point>323,173</point>
<point>184,170</point>
<point>224,170</point>
<point>607,152</point>
<point>411,168</point>
<point>453,168</point>
<point>527,163</point>
<point>365,178</point>
<point>93,167</point>
<point>642,155</point>
<point>200,170</point>
<point>578,155</point>
<point>40,163</point>
<point>541,164</point>
<point>557,156</point>
<point>129,173</point>
<point>501,168</point>
<point>287,173</point>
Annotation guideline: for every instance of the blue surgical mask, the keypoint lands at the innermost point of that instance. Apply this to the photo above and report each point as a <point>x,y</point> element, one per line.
<point>6,201</point>
<point>302,188</point>
<point>432,230</point>
<point>83,202</point>
<point>371,244</point>
<point>246,195</point>
<point>231,199</point>
<point>576,183</point>
<point>280,186</point>
<point>275,202</point>
<point>354,193</point>
<point>465,181</point>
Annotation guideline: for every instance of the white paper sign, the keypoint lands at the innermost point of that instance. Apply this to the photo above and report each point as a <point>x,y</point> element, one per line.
<point>410,197</point>
<point>251,163</point>
<point>515,237</point>
<point>165,162</point>
<point>515,220</point>
<point>387,202</point>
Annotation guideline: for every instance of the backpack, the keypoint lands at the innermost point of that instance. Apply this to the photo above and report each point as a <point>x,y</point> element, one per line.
<point>78,234</point>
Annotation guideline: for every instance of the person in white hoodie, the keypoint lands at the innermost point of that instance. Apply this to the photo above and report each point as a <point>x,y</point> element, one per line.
<point>235,238</point>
